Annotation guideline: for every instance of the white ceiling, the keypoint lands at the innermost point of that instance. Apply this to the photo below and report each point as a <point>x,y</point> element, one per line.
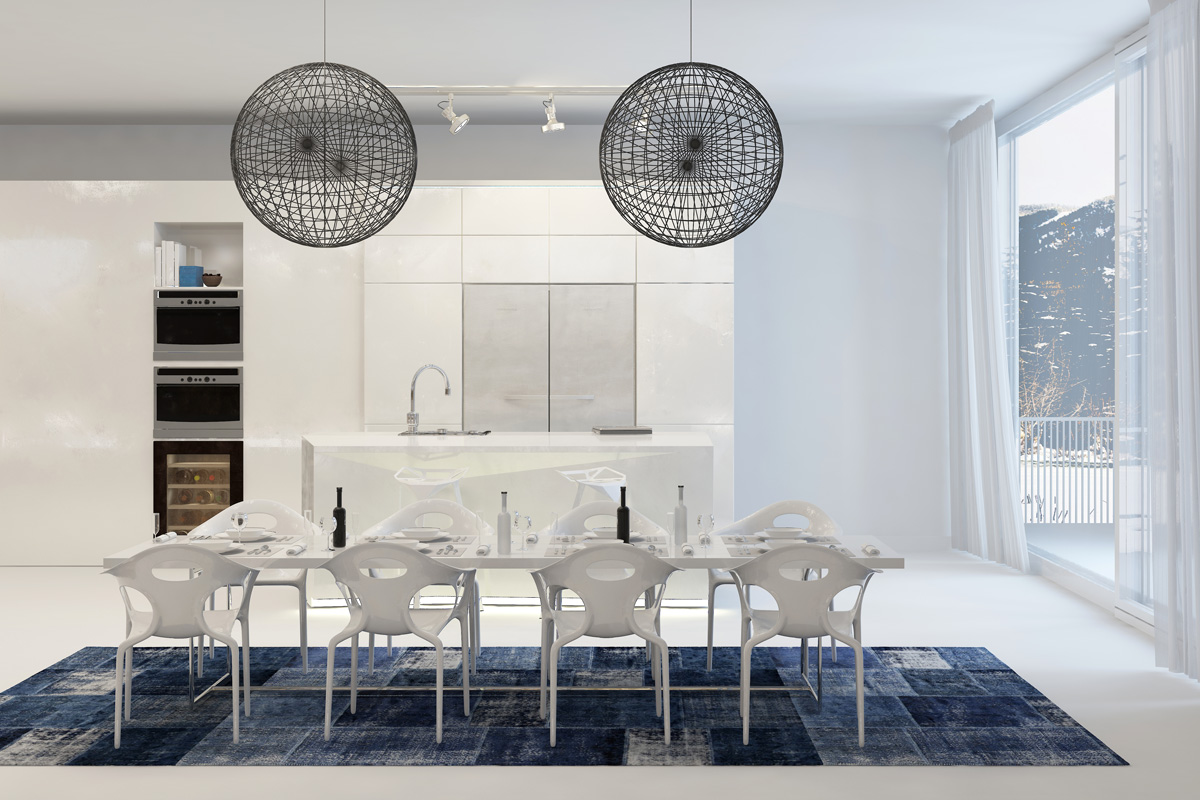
<point>893,61</point>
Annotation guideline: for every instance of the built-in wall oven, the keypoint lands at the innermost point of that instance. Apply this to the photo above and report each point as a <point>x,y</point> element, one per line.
<point>197,402</point>
<point>198,325</point>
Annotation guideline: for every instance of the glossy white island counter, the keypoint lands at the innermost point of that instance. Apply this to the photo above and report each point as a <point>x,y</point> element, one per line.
<point>526,465</point>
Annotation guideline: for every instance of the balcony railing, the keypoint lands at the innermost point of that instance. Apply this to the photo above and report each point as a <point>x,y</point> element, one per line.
<point>1066,469</point>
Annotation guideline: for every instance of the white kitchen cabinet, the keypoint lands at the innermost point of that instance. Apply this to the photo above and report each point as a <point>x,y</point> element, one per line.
<point>505,211</point>
<point>685,354</point>
<point>506,259</point>
<point>429,211</point>
<point>583,211</point>
<point>661,263</point>
<point>412,259</point>
<point>593,259</point>
<point>404,327</point>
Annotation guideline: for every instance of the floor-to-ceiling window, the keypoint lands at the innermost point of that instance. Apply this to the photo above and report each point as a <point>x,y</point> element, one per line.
<point>1064,254</point>
<point>1071,227</point>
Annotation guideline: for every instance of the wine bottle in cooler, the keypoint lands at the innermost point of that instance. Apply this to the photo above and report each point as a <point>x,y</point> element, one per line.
<point>623,519</point>
<point>680,521</point>
<point>504,527</point>
<point>339,516</point>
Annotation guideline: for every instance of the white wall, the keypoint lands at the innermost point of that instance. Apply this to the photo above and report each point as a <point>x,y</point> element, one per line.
<point>840,360</point>
<point>76,338</point>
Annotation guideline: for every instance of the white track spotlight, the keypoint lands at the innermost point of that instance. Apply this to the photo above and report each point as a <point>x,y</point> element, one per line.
<point>552,124</point>
<point>457,122</point>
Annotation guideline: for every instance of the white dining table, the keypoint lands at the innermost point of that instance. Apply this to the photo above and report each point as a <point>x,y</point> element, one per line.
<point>720,554</point>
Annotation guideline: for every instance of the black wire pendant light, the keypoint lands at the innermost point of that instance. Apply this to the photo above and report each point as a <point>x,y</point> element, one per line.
<point>691,154</point>
<point>323,154</point>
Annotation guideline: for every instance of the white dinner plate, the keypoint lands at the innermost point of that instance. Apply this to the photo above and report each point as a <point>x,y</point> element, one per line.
<point>604,532</point>
<point>249,534</point>
<point>422,534</point>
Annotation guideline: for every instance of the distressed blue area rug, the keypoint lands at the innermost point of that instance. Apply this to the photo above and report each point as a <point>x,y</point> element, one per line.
<point>924,706</point>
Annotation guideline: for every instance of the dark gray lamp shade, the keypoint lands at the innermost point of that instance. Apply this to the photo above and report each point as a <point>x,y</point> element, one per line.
<point>323,155</point>
<point>691,154</point>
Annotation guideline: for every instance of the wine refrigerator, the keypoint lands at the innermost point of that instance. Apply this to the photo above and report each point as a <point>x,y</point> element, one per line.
<point>194,481</point>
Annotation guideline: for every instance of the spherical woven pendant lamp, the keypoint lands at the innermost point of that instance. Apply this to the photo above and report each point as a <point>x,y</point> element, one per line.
<point>323,155</point>
<point>691,154</point>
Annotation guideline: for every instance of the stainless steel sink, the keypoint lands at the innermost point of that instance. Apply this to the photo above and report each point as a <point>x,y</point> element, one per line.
<point>443,432</point>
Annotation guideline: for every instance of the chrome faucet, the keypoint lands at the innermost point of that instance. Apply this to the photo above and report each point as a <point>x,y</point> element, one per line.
<point>413,417</point>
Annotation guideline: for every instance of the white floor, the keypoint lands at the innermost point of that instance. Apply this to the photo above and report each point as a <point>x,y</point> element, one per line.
<point>1098,669</point>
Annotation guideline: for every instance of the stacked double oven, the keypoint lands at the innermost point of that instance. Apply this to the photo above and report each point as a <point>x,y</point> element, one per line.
<point>197,404</point>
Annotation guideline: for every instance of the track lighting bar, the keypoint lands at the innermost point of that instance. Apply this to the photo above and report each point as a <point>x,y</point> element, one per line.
<point>495,91</point>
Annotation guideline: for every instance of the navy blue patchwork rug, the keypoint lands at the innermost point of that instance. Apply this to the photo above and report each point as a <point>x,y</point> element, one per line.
<point>924,706</point>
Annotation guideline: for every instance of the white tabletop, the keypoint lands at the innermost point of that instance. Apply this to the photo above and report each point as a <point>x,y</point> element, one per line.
<point>717,556</point>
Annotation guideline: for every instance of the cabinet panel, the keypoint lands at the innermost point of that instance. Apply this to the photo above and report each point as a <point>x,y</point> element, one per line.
<point>429,210</point>
<point>406,325</point>
<point>412,259</point>
<point>506,351</point>
<point>593,259</point>
<point>591,356</point>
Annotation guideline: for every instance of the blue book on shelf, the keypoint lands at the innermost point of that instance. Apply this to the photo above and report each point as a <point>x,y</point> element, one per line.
<point>190,276</point>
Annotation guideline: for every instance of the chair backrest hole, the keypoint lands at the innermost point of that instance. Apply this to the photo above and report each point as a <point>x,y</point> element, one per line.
<point>802,571</point>
<point>600,521</point>
<point>174,571</point>
<point>792,521</point>
<point>435,519</point>
<point>382,568</point>
<point>610,570</point>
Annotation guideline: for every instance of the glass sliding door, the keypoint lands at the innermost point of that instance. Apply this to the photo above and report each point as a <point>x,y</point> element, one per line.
<point>1133,565</point>
<point>1064,242</point>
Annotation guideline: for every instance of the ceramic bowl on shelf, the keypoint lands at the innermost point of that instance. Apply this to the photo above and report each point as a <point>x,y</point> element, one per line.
<point>211,279</point>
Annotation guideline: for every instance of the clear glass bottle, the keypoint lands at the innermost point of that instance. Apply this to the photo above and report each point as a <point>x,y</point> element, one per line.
<point>680,521</point>
<point>504,527</point>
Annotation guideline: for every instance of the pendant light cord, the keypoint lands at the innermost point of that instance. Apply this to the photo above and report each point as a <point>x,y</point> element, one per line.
<point>325,30</point>
<point>690,31</point>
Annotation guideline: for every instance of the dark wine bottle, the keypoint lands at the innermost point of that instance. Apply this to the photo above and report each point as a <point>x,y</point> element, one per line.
<point>623,519</point>
<point>339,516</point>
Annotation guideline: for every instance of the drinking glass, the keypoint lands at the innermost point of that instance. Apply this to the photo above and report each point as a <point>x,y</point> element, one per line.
<point>155,524</point>
<point>328,526</point>
<point>239,522</point>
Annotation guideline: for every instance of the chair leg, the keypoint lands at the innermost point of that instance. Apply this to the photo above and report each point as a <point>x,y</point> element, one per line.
<point>120,687</point>
<point>554,648</point>
<point>858,695</point>
<point>440,667</point>
<point>466,670</point>
<point>745,692</point>
<point>389,646</point>
<point>354,674</point>
<point>234,674</point>
<point>192,671</point>
<point>246,664</point>
<point>303,626</point>
<point>545,663</point>
<point>370,654</point>
<point>664,672</point>
<point>712,609</point>
<point>656,675</point>
<point>329,687</point>
<point>129,683</point>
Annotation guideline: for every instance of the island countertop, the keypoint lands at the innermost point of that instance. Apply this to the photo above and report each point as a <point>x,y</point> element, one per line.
<point>506,441</point>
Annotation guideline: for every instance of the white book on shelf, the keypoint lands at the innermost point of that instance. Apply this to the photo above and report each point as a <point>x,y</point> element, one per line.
<point>168,255</point>
<point>180,259</point>
<point>157,266</point>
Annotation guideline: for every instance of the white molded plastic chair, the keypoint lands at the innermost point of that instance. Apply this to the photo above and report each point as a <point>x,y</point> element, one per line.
<point>177,612</point>
<point>609,579</point>
<point>425,483</point>
<point>605,480</point>
<point>802,579</point>
<point>575,520</point>
<point>379,601</point>
<point>285,522</point>
<point>819,524</point>
<point>463,522</point>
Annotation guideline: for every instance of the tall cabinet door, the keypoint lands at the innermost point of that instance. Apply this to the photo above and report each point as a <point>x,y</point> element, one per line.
<point>506,347</point>
<point>591,356</point>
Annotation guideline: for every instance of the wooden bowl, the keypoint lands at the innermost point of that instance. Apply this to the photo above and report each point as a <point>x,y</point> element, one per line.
<point>211,280</point>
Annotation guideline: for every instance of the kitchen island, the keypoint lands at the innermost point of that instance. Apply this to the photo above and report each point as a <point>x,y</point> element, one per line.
<point>526,465</point>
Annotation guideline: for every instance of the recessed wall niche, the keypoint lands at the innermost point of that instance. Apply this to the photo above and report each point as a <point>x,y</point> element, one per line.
<point>219,242</point>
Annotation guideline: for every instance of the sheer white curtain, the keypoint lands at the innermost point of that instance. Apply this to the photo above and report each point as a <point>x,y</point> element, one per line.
<point>1173,394</point>
<point>985,513</point>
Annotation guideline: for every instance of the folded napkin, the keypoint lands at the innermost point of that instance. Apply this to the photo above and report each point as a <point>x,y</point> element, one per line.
<point>870,550</point>
<point>166,537</point>
<point>483,549</point>
<point>687,550</point>
<point>531,538</point>
<point>296,549</point>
